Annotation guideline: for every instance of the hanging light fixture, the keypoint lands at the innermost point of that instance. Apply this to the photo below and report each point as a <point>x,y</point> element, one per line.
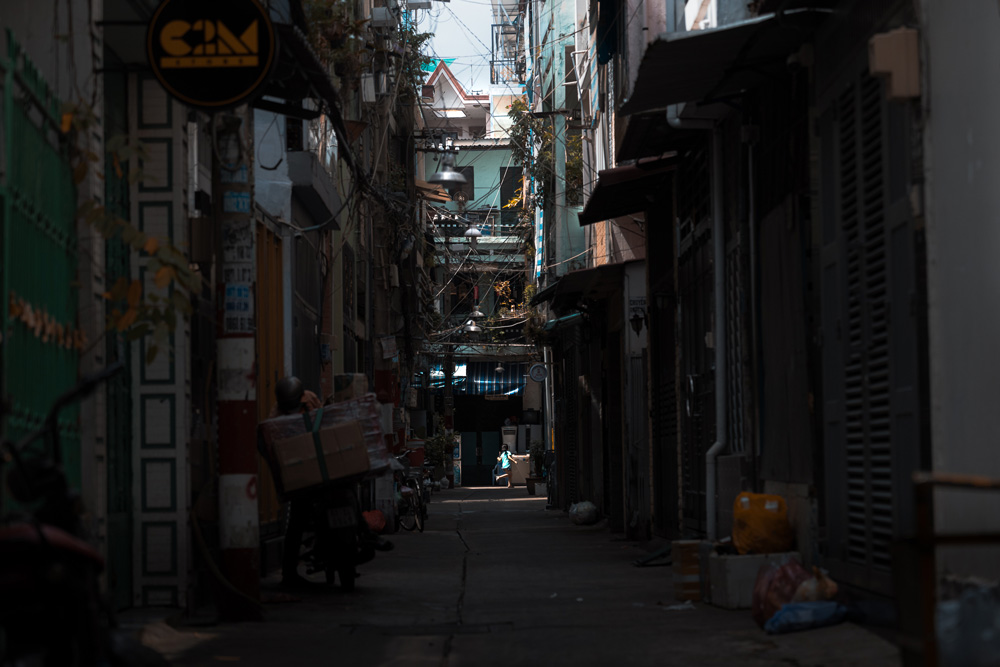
<point>499,368</point>
<point>450,179</point>
<point>476,312</point>
<point>472,327</point>
<point>473,232</point>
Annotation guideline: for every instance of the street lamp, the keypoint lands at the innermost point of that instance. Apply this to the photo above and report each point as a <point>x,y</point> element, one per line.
<point>476,312</point>
<point>472,327</point>
<point>448,177</point>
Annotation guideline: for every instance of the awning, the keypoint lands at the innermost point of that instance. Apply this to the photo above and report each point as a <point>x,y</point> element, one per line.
<point>544,294</point>
<point>560,322</point>
<point>483,379</point>
<point>624,190</point>
<point>585,284</point>
<point>647,134</point>
<point>710,64</point>
<point>480,378</point>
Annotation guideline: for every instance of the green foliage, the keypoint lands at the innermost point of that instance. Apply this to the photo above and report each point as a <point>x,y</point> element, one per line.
<point>533,144</point>
<point>135,312</point>
<point>438,448</point>
<point>413,60</point>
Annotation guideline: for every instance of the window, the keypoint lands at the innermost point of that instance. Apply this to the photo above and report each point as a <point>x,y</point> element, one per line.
<point>470,177</point>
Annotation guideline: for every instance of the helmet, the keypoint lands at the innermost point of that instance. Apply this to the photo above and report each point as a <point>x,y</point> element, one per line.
<point>289,392</point>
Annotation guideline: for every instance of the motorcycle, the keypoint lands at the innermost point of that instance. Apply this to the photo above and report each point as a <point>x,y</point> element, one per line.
<point>336,546</point>
<point>53,612</point>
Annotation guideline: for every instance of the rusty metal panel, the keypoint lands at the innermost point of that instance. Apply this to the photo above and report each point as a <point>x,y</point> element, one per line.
<point>270,359</point>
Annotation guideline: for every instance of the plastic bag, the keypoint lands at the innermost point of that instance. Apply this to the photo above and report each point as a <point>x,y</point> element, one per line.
<point>818,587</point>
<point>805,615</point>
<point>583,513</point>
<point>375,520</point>
<point>968,628</point>
<point>760,524</point>
<point>776,586</point>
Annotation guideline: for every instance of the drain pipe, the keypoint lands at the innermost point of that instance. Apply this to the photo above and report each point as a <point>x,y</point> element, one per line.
<point>719,243</point>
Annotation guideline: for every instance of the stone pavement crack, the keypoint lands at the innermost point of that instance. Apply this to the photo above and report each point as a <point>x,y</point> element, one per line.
<point>461,593</point>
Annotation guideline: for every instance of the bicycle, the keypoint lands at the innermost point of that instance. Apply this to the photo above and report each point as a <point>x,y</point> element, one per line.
<point>53,611</point>
<point>410,508</point>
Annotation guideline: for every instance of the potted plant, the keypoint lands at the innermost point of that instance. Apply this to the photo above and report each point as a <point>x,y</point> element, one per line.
<point>537,453</point>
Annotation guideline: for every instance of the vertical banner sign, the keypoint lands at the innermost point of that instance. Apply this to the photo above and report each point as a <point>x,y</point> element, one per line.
<point>211,54</point>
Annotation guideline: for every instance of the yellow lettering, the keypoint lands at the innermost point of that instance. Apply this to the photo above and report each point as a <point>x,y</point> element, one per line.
<point>229,39</point>
<point>249,37</point>
<point>172,38</point>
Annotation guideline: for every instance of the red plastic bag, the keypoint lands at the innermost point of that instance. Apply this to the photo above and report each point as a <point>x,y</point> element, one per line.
<point>776,585</point>
<point>375,520</point>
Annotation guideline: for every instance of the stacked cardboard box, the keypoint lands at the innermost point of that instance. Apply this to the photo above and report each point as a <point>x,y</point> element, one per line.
<point>330,454</point>
<point>341,441</point>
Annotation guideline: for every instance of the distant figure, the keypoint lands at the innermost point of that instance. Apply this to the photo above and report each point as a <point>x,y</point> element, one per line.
<point>505,465</point>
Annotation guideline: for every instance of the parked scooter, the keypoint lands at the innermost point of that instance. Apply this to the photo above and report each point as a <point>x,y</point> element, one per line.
<point>52,612</point>
<point>341,539</point>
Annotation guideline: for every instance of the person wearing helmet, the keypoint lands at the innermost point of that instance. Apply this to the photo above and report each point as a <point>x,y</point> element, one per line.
<point>292,397</point>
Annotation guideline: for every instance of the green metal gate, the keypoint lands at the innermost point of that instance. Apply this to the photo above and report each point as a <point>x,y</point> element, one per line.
<point>39,257</point>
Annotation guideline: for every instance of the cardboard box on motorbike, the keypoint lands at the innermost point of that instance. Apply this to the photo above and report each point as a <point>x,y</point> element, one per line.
<point>341,441</point>
<point>324,455</point>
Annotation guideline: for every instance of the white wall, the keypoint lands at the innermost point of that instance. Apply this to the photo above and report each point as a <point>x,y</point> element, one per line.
<point>962,144</point>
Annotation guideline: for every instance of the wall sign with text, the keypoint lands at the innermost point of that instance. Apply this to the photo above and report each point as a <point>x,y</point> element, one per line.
<point>212,55</point>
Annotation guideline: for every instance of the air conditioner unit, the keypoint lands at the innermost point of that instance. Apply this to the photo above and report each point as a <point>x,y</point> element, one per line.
<point>368,88</point>
<point>383,17</point>
<point>418,4</point>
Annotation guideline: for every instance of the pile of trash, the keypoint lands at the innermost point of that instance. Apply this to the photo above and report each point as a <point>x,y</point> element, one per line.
<point>583,513</point>
<point>787,597</point>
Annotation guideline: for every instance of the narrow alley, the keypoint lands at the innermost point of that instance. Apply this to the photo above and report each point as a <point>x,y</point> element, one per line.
<point>711,284</point>
<point>496,579</point>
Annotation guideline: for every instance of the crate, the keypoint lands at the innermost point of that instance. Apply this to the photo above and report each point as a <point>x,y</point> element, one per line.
<point>686,569</point>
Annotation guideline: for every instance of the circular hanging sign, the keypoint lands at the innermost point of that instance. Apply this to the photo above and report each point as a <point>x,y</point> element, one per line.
<point>211,55</point>
<point>538,372</point>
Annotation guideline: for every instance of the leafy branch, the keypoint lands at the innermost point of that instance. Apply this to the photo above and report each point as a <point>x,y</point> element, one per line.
<point>135,312</point>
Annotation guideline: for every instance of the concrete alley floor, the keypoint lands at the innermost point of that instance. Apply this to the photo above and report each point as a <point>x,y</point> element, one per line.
<point>496,579</point>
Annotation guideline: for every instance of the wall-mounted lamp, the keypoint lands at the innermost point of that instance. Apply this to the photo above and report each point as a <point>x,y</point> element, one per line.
<point>637,320</point>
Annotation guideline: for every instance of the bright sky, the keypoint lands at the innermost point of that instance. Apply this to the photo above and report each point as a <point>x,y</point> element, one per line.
<point>461,30</point>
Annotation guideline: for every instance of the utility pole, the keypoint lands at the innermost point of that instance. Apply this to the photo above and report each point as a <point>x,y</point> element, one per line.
<point>239,529</point>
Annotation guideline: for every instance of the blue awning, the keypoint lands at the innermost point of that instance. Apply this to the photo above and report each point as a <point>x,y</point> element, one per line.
<point>480,378</point>
<point>484,380</point>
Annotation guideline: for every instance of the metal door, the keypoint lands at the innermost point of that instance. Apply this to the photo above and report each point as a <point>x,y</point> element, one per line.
<point>696,293</point>
<point>870,349</point>
<point>39,260</point>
